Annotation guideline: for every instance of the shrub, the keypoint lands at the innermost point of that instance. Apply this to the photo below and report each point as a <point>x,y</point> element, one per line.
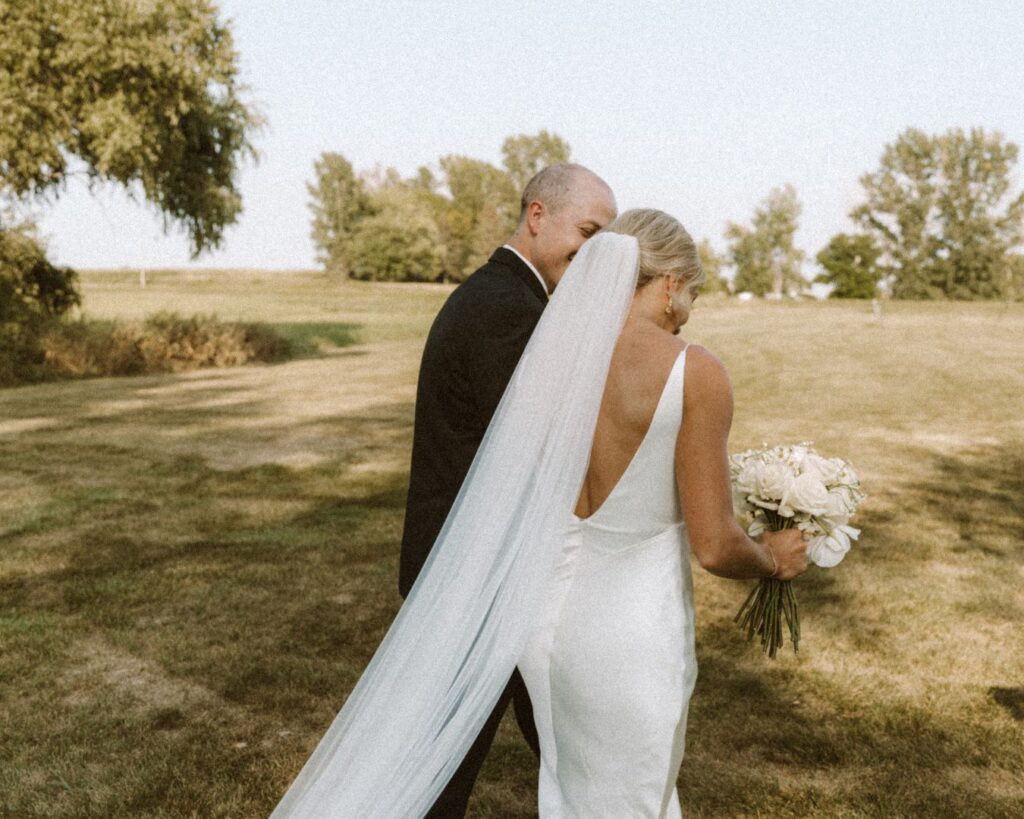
<point>84,348</point>
<point>399,243</point>
<point>33,295</point>
<point>164,342</point>
<point>171,343</point>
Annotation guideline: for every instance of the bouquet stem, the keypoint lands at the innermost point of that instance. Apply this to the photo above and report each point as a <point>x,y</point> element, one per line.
<point>768,602</point>
<point>762,613</point>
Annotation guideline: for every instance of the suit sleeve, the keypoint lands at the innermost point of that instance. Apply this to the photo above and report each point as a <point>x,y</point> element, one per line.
<point>501,327</point>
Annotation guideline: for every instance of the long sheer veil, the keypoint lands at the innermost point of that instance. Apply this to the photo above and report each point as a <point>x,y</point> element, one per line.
<point>437,674</point>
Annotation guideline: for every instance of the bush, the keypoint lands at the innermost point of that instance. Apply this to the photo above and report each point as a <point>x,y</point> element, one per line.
<point>164,342</point>
<point>84,348</point>
<point>171,343</point>
<point>399,243</point>
<point>33,295</point>
<point>35,344</point>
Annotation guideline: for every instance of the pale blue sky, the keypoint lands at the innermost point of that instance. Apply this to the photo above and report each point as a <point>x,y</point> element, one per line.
<point>699,108</point>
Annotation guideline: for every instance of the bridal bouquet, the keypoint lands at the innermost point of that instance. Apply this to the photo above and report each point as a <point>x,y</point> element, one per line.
<point>781,488</point>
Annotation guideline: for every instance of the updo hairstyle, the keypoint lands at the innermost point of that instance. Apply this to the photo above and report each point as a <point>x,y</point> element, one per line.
<point>666,249</point>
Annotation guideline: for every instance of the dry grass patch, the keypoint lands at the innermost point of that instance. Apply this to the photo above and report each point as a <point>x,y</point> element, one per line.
<point>195,568</point>
<point>95,667</point>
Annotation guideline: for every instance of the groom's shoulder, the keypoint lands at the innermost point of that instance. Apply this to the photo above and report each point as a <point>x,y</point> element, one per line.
<point>501,274</point>
<point>494,289</point>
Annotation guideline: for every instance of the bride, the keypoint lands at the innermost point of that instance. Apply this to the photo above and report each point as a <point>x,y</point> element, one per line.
<point>566,553</point>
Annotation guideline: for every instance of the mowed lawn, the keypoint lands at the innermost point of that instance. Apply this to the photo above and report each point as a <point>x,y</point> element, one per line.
<point>195,568</point>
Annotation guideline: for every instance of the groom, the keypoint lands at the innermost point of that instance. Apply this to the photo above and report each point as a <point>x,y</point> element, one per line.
<point>471,351</point>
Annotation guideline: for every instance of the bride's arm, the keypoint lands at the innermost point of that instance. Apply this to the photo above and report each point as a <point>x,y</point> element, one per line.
<point>705,493</point>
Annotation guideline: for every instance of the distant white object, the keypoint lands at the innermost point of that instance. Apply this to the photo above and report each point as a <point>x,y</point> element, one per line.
<point>876,309</point>
<point>746,295</point>
<point>142,279</point>
<point>820,291</point>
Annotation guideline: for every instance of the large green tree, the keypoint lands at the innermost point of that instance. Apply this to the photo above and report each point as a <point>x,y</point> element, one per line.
<point>849,264</point>
<point>943,211</point>
<point>524,155</point>
<point>483,210</point>
<point>429,190</point>
<point>399,242</point>
<point>713,264</point>
<point>136,92</point>
<point>339,200</point>
<point>764,254</point>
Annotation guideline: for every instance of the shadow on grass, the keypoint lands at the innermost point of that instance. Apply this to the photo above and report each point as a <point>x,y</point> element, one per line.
<point>980,492</point>
<point>312,338</point>
<point>1012,699</point>
<point>977,495</point>
<point>267,587</point>
<point>761,741</point>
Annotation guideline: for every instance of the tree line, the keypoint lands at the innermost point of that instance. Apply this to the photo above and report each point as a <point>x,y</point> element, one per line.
<point>438,225</point>
<point>940,219</point>
<point>146,95</point>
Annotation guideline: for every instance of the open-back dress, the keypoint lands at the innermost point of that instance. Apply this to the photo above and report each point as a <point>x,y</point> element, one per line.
<point>611,665</point>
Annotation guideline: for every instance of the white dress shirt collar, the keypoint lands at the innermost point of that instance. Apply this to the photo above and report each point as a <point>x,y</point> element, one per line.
<point>529,265</point>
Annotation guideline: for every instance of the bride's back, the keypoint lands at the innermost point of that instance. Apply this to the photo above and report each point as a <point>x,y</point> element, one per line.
<point>643,358</point>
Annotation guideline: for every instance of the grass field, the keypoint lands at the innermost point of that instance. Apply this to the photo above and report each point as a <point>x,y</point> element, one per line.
<point>195,568</point>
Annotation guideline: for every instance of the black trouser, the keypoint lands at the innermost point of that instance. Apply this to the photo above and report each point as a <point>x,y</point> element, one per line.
<point>452,802</point>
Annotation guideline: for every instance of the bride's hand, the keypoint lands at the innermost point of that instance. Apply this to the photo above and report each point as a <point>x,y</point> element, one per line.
<point>790,552</point>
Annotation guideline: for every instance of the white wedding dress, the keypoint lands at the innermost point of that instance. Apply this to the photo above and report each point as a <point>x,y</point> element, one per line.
<point>611,664</point>
<point>597,613</point>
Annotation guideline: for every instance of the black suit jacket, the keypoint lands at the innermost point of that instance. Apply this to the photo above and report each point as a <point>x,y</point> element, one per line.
<point>472,349</point>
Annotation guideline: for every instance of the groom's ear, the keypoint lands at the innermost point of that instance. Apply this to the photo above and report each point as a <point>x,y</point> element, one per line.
<point>535,213</point>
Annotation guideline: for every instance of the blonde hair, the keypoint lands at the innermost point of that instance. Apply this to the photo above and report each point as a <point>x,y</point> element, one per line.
<point>666,249</point>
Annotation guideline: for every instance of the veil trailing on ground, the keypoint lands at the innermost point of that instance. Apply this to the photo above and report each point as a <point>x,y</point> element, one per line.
<point>453,646</point>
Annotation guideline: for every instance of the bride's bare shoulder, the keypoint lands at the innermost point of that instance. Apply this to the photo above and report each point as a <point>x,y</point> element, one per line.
<point>706,376</point>
<point>701,358</point>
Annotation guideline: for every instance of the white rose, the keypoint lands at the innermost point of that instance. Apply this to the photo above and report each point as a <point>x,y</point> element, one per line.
<point>829,523</point>
<point>839,465</point>
<point>825,470</point>
<point>804,494</point>
<point>829,550</point>
<point>796,455</point>
<point>746,479</point>
<point>839,506</point>
<point>848,476</point>
<point>756,527</point>
<point>773,480</point>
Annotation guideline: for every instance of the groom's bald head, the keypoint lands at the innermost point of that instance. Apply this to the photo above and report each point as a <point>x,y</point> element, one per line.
<point>561,207</point>
<point>557,185</point>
